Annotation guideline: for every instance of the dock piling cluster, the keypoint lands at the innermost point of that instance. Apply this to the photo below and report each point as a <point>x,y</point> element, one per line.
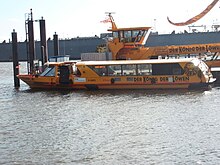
<point>31,54</point>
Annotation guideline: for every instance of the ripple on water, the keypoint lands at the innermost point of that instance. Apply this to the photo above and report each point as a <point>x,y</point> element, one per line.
<point>108,127</point>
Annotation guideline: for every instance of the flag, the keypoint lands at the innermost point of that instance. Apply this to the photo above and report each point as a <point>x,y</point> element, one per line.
<point>106,20</point>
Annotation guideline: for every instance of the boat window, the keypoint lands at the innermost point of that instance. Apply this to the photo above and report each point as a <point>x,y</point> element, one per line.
<point>140,69</point>
<point>114,70</point>
<point>144,69</point>
<point>50,71</point>
<point>123,70</point>
<point>127,36</point>
<point>140,35</point>
<point>121,36</point>
<point>101,70</point>
<point>217,57</point>
<point>177,71</point>
<point>75,70</point>
<point>134,35</point>
<point>115,34</point>
<point>203,67</point>
<point>129,69</point>
<point>167,69</point>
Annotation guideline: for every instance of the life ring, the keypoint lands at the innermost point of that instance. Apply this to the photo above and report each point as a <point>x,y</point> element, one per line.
<point>112,80</point>
<point>190,69</point>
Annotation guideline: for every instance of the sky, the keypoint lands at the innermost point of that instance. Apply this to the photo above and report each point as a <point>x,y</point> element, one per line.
<point>73,18</point>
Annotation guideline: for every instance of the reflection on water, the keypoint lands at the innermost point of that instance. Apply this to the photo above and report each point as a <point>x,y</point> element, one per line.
<point>107,127</point>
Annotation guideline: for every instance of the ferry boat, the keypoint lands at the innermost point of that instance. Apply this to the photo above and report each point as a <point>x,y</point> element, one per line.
<point>123,74</point>
<point>129,44</point>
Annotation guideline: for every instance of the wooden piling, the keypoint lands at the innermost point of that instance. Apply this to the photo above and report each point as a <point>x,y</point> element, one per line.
<point>15,59</point>
<point>56,44</point>
<point>43,41</point>
<point>31,43</point>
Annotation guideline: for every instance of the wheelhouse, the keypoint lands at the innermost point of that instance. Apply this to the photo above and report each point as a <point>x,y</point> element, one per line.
<point>136,35</point>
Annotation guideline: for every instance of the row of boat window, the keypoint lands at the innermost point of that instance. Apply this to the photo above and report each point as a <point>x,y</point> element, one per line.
<point>129,70</point>
<point>138,69</point>
<point>129,35</point>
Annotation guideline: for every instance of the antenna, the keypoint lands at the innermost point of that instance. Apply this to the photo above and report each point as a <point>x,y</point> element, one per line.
<point>109,14</point>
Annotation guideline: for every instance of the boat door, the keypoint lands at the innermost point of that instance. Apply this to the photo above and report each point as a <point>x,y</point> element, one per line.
<point>64,74</point>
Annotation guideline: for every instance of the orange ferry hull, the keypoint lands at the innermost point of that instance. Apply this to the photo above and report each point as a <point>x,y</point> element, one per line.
<point>40,83</point>
<point>140,74</point>
<point>148,86</point>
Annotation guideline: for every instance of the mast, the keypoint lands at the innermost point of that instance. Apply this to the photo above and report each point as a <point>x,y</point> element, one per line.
<point>114,27</point>
<point>30,41</point>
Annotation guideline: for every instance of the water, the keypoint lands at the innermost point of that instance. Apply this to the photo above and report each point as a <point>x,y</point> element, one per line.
<point>107,127</point>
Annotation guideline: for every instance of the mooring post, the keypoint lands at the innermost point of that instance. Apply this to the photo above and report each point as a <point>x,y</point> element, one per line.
<point>56,44</point>
<point>31,43</point>
<point>15,59</point>
<point>43,41</point>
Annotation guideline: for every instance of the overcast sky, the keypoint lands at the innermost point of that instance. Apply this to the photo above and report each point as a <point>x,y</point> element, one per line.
<point>72,18</point>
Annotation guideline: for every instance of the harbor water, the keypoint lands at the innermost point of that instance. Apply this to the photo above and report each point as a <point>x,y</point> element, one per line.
<point>107,127</point>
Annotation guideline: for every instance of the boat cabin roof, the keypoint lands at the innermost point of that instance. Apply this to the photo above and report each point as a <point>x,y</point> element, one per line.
<point>60,63</point>
<point>126,62</point>
<point>128,29</point>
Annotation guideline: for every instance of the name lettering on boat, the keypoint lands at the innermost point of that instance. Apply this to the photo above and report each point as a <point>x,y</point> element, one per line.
<point>137,79</point>
<point>181,78</point>
<point>159,79</point>
<point>191,49</point>
<point>154,79</point>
